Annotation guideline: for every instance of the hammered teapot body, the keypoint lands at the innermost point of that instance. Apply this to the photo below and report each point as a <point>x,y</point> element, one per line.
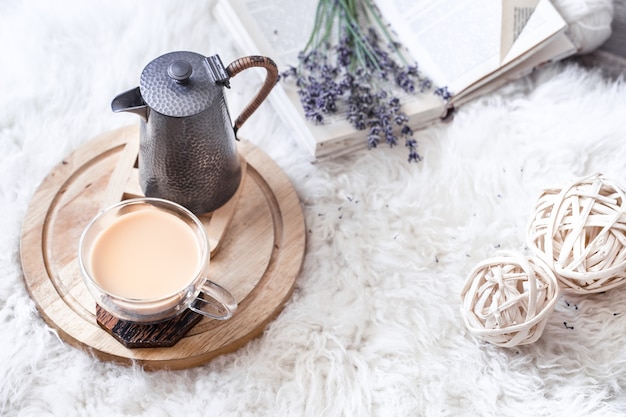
<point>187,148</point>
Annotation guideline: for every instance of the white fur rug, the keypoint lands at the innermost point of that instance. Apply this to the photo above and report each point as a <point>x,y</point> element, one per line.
<point>373,327</point>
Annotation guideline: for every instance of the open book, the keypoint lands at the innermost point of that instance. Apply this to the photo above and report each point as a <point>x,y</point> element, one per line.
<point>470,47</point>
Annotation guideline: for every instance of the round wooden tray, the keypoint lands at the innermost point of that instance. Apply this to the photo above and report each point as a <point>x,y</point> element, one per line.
<point>260,255</point>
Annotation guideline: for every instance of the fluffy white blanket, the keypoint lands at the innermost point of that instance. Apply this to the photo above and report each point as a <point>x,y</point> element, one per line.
<point>373,327</point>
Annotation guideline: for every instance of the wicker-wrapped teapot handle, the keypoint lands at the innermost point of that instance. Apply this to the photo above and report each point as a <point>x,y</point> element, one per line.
<point>270,81</point>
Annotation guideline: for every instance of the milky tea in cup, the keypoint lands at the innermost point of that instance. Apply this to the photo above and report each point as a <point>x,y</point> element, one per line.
<point>146,260</point>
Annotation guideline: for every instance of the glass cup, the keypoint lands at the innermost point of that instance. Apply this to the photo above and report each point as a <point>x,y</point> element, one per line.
<point>146,260</point>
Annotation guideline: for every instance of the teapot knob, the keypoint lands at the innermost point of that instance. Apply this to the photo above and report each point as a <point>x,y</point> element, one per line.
<point>179,71</point>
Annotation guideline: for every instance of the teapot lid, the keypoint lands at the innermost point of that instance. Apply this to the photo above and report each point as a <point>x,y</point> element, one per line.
<point>182,83</point>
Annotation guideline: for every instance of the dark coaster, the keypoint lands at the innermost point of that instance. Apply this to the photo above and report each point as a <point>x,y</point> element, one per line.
<point>139,335</point>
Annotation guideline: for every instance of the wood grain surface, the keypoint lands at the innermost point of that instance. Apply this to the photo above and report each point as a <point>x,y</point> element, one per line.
<point>259,259</point>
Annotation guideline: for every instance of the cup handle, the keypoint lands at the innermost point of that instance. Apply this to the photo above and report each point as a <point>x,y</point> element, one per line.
<point>270,81</point>
<point>221,305</point>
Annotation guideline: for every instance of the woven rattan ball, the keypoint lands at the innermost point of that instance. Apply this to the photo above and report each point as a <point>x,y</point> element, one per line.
<point>508,299</point>
<point>580,232</point>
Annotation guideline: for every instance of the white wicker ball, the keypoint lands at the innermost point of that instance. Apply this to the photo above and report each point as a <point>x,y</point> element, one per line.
<point>508,299</point>
<point>580,232</point>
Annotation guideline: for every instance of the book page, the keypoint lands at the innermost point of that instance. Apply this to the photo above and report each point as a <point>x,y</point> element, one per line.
<point>515,15</point>
<point>454,41</point>
<point>559,47</point>
<point>279,27</point>
<point>543,23</point>
<point>458,42</point>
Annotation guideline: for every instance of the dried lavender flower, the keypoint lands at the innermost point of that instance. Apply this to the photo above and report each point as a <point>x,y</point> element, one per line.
<point>358,73</point>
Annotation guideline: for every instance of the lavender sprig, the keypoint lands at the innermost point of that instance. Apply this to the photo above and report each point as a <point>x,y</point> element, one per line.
<point>347,65</point>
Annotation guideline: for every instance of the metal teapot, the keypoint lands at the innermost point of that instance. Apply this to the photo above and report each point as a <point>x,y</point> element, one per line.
<point>187,150</point>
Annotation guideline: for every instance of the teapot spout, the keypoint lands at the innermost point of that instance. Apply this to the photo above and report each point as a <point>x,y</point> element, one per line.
<point>130,101</point>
